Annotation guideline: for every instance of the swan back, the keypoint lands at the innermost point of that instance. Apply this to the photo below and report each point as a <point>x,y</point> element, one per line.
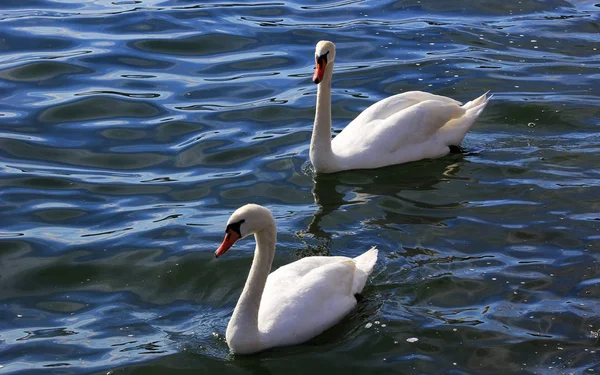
<point>388,107</point>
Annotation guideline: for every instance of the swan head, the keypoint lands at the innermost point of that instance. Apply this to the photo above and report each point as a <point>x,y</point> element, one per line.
<point>245,221</point>
<point>324,54</point>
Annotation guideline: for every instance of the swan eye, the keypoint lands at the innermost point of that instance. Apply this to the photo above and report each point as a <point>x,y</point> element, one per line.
<point>236,227</point>
<point>322,58</point>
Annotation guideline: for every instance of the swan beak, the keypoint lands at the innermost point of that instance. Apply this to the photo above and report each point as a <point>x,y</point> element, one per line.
<point>230,237</point>
<point>319,70</point>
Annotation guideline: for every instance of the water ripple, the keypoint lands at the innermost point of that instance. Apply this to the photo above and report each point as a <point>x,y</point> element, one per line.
<point>130,130</point>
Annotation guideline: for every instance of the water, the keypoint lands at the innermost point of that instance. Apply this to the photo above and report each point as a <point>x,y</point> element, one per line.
<point>131,130</point>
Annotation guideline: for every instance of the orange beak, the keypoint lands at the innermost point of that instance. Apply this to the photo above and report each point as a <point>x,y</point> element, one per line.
<point>230,238</point>
<point>319,70</point>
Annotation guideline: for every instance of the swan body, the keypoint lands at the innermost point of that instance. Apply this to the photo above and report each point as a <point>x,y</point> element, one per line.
<point>402,128</point>
<point>297,301</point>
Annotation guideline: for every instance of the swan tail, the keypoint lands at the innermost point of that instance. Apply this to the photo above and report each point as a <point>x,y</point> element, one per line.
<point>364,266</point>
<point>455,130</point>
<point>483,99</point>
<point>476,110</point>
<point>366,261</point>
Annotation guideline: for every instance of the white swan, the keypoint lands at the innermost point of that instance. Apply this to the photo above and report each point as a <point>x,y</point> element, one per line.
<point>296,302</point>
<point>402,128</point>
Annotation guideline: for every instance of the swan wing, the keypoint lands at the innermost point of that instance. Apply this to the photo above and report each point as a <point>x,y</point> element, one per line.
<point>389,106</point>
<point>298,304</point>
<point>407,135</point>
<point>302,266</point>
<point>286,276</point>
<point>420,122</point>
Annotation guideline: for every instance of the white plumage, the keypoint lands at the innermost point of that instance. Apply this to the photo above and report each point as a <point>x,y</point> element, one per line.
<point>402,128</point>
<point>296,302</point>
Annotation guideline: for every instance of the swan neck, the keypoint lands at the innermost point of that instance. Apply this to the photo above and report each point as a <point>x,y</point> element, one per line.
<point>321,154</point>
<point>242,330</point>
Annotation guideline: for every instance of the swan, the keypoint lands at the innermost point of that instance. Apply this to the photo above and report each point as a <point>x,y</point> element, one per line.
<point>406,127</point>
<point>297,301</point>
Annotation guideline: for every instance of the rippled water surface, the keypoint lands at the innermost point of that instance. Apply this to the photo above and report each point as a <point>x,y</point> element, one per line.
<point>131,130</point>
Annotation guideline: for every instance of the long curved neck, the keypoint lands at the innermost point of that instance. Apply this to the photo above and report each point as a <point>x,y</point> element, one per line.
<point>321,155</point>
<point>243,326</point>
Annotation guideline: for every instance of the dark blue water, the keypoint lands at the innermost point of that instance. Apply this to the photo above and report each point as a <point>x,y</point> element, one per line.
<point>131,130</point>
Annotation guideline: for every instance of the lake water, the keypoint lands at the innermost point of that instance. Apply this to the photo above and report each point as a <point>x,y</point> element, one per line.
<point>131,130</point>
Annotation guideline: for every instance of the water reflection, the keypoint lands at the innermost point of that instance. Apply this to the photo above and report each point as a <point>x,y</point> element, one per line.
<point>165,116</point>
<point>331,192</point>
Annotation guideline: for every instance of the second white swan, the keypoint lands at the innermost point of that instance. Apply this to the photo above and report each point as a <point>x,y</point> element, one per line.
<point>296,302</point>
<point>406,127</point>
